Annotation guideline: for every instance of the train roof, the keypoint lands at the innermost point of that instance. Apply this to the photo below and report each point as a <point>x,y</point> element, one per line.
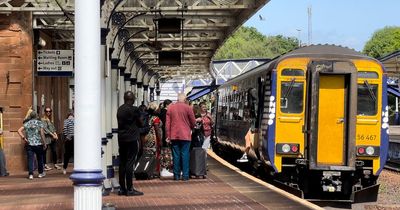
<point>312,51</point>
<point>325,51</point>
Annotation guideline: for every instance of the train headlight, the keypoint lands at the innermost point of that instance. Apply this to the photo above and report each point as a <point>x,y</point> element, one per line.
<point>370,150</point>
<point>285,148</point>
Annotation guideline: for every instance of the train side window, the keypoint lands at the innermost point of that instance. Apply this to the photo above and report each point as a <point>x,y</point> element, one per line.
<point>292,72</point>
<point>252,99</point>
<point>367,99</point>
<point>367,74</point>
<point>292,97</point>
<point>241,106</point>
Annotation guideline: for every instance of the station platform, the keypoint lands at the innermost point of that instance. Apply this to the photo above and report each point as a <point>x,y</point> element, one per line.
<point>226,187</point>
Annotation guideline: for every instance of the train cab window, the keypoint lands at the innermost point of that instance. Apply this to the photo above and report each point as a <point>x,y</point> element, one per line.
<point>367,74</point>
<point>292,97</point>
<point>367,99</point>
<point>292,72</point>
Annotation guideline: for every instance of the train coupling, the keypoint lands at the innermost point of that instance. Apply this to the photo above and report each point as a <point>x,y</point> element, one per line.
<point>330,181</point>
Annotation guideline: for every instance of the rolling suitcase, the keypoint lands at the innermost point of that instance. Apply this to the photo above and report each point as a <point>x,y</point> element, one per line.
<point>198,162</point>
<point>145,167</point>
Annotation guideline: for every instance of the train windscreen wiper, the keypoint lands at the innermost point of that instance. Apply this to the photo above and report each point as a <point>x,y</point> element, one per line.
<point>289,88</point>
<point>371,93</point>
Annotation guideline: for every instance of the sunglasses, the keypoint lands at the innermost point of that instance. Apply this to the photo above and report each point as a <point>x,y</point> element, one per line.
<point>48,111</point>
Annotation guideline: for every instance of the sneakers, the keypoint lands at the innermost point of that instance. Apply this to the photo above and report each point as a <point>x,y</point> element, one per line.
<point>30,176</point>
<point>64,171</point>
<point>47,168</point>
<point>42,175</point>
<point>165,173</point>
<point>243,159</point>
<point>57,167</point>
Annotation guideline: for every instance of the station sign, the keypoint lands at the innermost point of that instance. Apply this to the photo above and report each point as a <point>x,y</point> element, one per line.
<point>53,61</point>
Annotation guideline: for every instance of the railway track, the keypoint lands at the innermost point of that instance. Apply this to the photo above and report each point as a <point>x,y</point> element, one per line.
<point>393,162</point>
<point>393,165</point>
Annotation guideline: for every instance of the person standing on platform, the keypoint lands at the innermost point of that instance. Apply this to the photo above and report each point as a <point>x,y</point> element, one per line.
<point>129,124</point>
<point>32,134</point>
<point>166,158</point>
<point>163,118</point>
<point>68,132</point>
<point>207,125</point>
<point>51,138</point>
<point>179,123</point>
<point>152,140</point>
<point>3,169</point>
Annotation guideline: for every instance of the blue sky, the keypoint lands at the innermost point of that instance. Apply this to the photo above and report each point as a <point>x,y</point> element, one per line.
<point>348,23</point>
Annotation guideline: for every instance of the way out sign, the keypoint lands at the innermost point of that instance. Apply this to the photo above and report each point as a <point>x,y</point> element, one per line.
<point>55,62</point>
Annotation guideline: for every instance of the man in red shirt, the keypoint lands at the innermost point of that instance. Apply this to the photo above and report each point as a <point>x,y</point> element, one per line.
<point>180,121</point>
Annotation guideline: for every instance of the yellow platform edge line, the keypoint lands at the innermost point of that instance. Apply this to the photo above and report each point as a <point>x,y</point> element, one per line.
<point>259,181</point>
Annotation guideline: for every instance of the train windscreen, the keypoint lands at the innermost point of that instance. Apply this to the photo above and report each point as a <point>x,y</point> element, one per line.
<point>292,97</point>
<point>367,99</point>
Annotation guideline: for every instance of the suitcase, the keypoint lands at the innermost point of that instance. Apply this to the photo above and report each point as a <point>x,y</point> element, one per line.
<point>198,162</point>
<point>145,167</point>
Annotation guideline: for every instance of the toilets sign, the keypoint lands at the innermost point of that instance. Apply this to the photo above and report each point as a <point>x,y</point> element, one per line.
<point>55,61</point>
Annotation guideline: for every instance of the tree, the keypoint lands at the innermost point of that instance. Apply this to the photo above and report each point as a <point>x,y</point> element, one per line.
<point>383,41</point>
<point>247,42</point>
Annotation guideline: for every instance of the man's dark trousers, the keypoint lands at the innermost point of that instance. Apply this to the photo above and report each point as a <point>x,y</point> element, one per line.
<point>127,158</point>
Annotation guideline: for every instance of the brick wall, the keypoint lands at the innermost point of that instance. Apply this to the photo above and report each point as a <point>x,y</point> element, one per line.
<point>15,82</point>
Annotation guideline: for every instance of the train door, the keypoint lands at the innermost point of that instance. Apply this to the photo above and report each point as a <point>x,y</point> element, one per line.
<point>332,99</point>
<point>331,124</point>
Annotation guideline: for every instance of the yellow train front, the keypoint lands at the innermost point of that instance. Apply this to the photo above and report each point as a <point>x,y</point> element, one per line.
<point>320,122</point>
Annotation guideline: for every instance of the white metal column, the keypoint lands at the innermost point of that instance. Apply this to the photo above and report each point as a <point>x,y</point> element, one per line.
<point>87,177</point>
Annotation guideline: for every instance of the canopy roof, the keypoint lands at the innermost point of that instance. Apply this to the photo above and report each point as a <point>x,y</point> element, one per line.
<point>392,63</point>
<point>204,26</point>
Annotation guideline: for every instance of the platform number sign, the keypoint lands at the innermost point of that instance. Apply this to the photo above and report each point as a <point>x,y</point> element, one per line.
<point>55,61</point>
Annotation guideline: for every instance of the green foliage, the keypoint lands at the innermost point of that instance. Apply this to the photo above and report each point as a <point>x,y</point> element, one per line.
<point>247,42</point>
<point>383,41</point>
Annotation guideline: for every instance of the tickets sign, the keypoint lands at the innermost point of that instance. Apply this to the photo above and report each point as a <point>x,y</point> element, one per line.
<point>55,61</point>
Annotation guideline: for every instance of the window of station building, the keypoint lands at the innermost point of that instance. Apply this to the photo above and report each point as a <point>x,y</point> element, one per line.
<point>367,74</point>
<point>292,97</point>
<point>292,72</point>
<point>367,104</point>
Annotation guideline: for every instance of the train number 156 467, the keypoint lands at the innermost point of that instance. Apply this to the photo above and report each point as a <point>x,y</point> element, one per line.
<point>366,137</point>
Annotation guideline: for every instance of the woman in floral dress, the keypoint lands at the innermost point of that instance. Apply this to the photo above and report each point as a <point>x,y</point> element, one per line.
<point>152,142</point>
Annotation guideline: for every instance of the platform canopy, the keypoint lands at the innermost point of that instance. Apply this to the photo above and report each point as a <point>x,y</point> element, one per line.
<point>169,37</point>
<point>392,63</point>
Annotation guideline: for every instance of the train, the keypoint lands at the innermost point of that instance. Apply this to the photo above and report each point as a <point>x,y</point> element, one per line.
<point>318,116</point>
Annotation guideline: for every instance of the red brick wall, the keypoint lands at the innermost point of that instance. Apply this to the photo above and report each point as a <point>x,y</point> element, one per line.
<point>16,39</point>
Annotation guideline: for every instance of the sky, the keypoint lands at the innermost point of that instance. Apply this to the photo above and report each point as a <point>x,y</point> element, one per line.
<point>349,23</point>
